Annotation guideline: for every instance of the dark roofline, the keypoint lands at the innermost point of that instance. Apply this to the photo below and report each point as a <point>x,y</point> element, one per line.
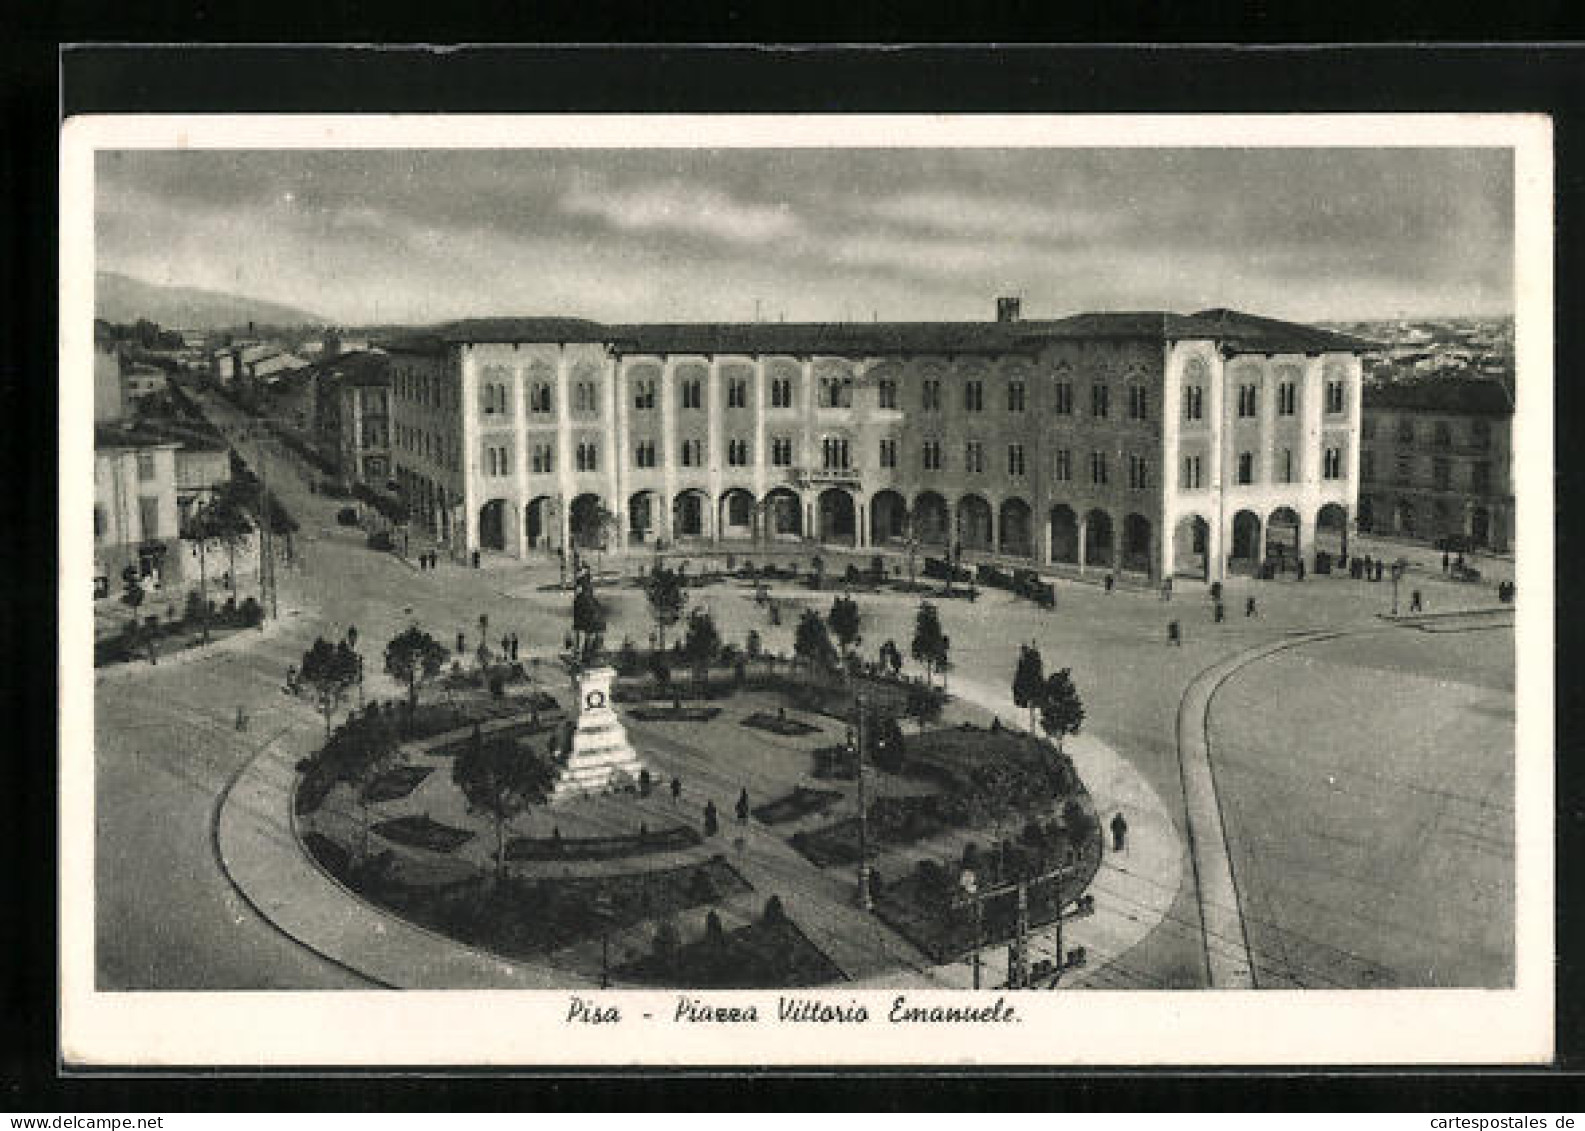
<point>1466,395</point>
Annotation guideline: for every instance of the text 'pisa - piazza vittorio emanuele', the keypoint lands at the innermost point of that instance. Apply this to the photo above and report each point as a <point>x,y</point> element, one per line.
<point>1133,443</point>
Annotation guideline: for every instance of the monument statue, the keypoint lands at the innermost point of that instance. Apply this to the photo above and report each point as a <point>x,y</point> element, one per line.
<point>600,757</point>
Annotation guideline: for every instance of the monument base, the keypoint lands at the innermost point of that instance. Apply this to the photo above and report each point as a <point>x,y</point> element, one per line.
<point>601,759</point>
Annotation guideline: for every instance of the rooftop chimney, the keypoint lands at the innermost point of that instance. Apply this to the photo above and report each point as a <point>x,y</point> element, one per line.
<point>1007,309</point>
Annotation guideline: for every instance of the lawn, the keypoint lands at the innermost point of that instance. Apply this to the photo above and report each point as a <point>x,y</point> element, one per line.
<point>674,714</point>
<point>761,955</point>
<point>674,839</point>
<point>422,832</point>
<point>397,782</point>
<point>801,802</point>
<point>779,724</point>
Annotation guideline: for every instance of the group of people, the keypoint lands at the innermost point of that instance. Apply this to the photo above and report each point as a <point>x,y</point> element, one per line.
<point>428,560</point>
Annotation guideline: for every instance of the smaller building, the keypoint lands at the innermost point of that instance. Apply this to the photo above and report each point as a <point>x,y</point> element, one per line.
<point>1435,462</point>
<point>355,414</point>
<point>141,381</point>
<point>136,519</point>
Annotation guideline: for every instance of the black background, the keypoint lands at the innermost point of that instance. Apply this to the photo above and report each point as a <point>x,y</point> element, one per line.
<point>45,80</point>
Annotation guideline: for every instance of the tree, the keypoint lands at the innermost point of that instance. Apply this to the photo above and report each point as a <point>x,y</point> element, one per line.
<point>365,749</point>
<point>892,657</point>
<point>588,618</point>
<point>924,705</point>
<point>702,644</point>
<point>499,779</point>
<point>844,621</point>
<point>1061,711</point>
<point>930,644</point>
<point>812,643</point>
<point>664,590</point>
<point>1029,681</point>
<point>660,669</point>
<point>330,671</point>
<point>753,646</point>
<point>415,658</point>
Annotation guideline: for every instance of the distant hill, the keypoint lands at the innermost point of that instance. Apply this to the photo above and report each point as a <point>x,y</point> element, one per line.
<point>121,298</point>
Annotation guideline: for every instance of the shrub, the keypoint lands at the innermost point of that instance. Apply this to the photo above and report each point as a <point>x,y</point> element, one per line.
<point>195,608</point>
<point>713,932</point>
<point>646,782</point>
<point>381,540</point>
<point>701,888</point>
<point>252,613</point>
<point>497,682</point>
<point>347,516</point>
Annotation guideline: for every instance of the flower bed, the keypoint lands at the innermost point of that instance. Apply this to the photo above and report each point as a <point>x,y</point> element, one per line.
<point>892,821</point>
<point>762,955</point>
<point>423,832</point>
<point>397,782</point>
<point>778,724</point>
<point>801,802</point>
<point>601,847</point>
<point>654,714</point>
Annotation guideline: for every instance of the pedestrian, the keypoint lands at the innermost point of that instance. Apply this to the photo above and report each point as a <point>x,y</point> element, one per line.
<point>1445,561</point>
<point>742,807</point>
<point>1166,589</point>
<point>1119,832</point>
<point>1174,633</point>
<point>1110,582</point>
<point>242,719</point>
<point>1249,606</point>
<point>506,644</point>
<point>1299,569</point>
<point>1220,612</point>
<point>462,643</point>
<point>676,789</point>
<point>1378,569</point>
<point>1414,601</point>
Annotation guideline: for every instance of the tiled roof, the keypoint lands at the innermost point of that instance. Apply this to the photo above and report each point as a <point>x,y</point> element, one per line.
<point>1470,395</point>
<point>357,367</point>
<point>1251,333</point>
<point>1240,331</point>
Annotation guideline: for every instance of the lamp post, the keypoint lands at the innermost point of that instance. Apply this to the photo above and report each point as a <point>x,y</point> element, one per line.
<point>857,746</point>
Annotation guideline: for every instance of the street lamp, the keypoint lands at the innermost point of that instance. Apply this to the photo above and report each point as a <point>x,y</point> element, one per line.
<point>856,746</point>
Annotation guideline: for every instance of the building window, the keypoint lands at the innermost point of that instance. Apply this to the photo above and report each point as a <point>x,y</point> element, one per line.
<point>1190,477</point>
<point>973,396</point>
<point>974,457</point>
<point>588,456</point>
<point>1367,427</point>
<point>1405,470</point>
<point>1334,397</point>
<point>149,517</point>
<point>930,391</point>
<point>539,398</point>
<point>1480,433</point>
<point>691,453</point>
<point>1100,401</point>
<point>1246,467</point>
<point>836,392</point>
<point>1015,396</point>
<point>888,453</point>
<point>781,451</point>
<point>644,454</point>
<point>1138,402</point>
<point>1405,430</point>
<point>1193,402</point>
<point>737,453</point>
<point>544,459</point>
<point>887,391</point>
<point>781,393</point>
<point>1138,473</point>
<point>834,453</point>
<point>1248,399</point>
<point>1062,398</point>
<point>1480,477</point>
<point>1285,465</point>
<point>737,393</point>
<point>1015,459</point>
<point>1287,398</point>
<point>1098,468</point>
<point>1442,473</point>
<point>1332,463</point>
<point>145,466</point>
<point>492,398</point>
<point>1062,465</point>
<point>930,455</point>
<point>643,395</point>
<point>692,394</point>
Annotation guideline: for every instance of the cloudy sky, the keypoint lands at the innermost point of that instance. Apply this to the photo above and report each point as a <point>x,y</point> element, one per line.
<point>700,234</point>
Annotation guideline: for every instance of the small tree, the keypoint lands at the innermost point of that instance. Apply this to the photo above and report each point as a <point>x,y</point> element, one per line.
<point>930,644</point>
<point>892,657</point>
<point>664,591</point>
<point>702,644</point>
<point>753,646</point>
<point>1029,681</point>
<point>500,780</point>
<point>363,755</point>
<point>924,705</point>
<point>812,643</point>
<point>415,658</point>
<point>330,671</point>
<point>1061,710</point>
<point>844,621</point>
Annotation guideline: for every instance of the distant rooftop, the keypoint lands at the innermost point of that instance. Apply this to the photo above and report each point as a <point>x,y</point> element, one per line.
<point>1241,332</point>
<point>1469,395</point>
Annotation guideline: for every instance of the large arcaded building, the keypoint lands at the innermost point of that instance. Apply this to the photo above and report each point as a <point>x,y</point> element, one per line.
<point>1146,443</point>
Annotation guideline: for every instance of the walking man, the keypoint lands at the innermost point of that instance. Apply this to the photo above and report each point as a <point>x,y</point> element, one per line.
<point>1119,832</point>
<point>1174,633</point>
<point>1249,606</point>
<point>1414,601</point>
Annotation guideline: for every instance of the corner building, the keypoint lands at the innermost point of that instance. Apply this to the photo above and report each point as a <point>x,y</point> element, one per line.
<point>1140,444</point>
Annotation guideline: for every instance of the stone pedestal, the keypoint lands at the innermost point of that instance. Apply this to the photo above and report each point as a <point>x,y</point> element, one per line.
<point>601,757</point>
